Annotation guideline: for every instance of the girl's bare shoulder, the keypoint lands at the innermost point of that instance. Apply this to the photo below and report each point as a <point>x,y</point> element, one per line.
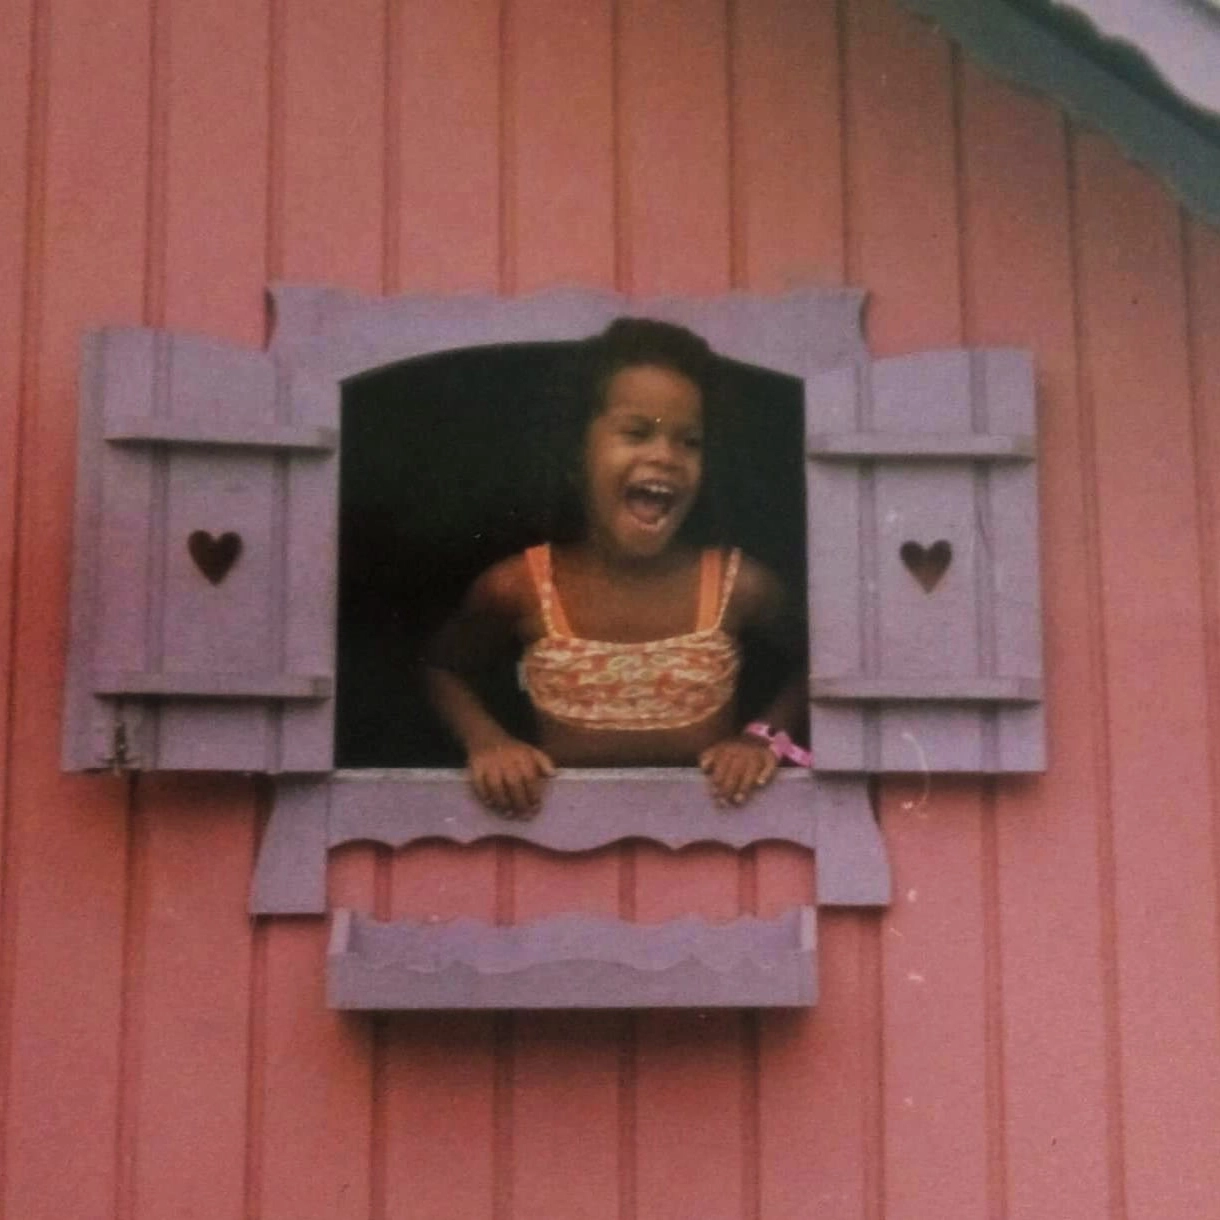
<point>505,590</point>
<point>758,598</point>
<point>498,608</point>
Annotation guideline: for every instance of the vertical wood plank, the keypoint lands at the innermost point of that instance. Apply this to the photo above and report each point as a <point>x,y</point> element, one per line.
<point>327,154</point>
<point>209,107</point>
<point>673,174</point>
<point>819,1144</point>
<point>448,156</point>
<point>817,1070</point>
<point>901,222</point>
<point>312,1112</point>
<point>559,154</point>
<point>675,187</point>
<point>216,98</point>
<point>65,853</point>
<point>187,1067</point>
<point>560,230</point>
<point>786,137</point>
<point>444,1090</point>
<point>17,133</point>
<point>1202,262</point>
<point>1202,253</point>
<point>21,126</point>
<point>1052,1066</point>
<point>903,243</point>
<point>315,1147</point>
<point>440,1085</point>
<point>1134,326</point>
<point>190,1011</point>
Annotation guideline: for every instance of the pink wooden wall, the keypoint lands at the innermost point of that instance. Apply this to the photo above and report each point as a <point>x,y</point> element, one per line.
<point>1032,1032</point>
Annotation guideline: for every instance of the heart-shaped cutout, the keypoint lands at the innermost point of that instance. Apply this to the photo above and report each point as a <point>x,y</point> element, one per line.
<point>214,557</point>
<point>927,563</point>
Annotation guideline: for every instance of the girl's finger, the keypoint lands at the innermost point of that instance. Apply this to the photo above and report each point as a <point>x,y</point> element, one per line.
<point>770,765</point>
<point>728,776</point>
<point>756,767</point>
<point>482,788</point>
<point>510,793</point>
<point>516,793</point>
<point>716,762</point>
<point>545,765</point>
<point>744,780</point>
<point>491,795</point>
<point>532,783</point>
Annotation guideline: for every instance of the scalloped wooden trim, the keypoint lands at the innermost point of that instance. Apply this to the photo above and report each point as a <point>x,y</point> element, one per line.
<point>573,961</point>
<point>584,810</point>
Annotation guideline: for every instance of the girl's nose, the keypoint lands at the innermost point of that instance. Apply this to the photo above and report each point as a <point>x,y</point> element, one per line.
<point>667,449</point>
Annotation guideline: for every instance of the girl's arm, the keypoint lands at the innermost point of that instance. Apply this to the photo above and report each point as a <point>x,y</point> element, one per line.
<point>508,774</point>
<point>739,765</point>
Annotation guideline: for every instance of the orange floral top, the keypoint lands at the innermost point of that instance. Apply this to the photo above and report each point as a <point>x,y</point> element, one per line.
<point>651,684</point>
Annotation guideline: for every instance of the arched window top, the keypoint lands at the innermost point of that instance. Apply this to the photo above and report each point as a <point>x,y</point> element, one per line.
<point>207,550</point>
<point>344,334</point>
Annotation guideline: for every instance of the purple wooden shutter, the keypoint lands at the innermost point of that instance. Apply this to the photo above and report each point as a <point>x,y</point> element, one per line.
<point>924,595</point>
<point>205,550</point>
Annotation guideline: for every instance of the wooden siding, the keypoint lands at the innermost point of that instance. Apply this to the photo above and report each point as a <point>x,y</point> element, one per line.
<point>1032,1031</point>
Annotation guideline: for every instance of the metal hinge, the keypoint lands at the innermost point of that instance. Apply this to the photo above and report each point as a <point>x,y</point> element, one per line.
<point>120,758</point>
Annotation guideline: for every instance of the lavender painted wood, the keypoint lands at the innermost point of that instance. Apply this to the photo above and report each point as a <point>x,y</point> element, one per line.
<point>926,690</point>
<point>584,810</point>
<point>853,868</point>
<point>199,435</point>
<point>309,578</point>
<point>572,961</point>
<point>670,806</point>
<point>856,446</point>
<point>290,872</point>
<point>209,685</point>
<point>343,334</point>
<point>914,668</point>
<point>213,433</point>
<point>187,672</point>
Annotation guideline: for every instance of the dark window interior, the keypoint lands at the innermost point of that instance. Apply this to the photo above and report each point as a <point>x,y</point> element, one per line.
<point>444,470</point>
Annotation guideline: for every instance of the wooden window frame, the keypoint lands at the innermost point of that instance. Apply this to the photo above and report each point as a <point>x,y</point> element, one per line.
<point>569,961</point>
<point>324,337</point>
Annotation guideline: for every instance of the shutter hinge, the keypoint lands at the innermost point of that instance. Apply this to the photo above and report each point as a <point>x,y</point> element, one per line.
<point>120,758</point>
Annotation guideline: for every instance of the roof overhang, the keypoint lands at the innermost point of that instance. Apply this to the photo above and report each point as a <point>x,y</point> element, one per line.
<point>1179,39</point>
<point>1146,72</point>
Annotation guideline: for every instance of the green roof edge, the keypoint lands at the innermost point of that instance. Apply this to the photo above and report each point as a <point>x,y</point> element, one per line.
<point>1023,49</point>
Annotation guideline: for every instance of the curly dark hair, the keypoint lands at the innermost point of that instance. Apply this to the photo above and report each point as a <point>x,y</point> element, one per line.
<point>627,343</point>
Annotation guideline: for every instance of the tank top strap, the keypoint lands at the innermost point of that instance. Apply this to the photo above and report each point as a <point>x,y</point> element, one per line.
<point>716,580</point>
<point>538,561</point>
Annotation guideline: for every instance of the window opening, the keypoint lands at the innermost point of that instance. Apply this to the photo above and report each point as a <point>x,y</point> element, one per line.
<point>447,466</point>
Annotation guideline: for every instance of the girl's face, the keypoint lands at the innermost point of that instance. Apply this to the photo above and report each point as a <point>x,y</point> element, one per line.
<point>643,460</point>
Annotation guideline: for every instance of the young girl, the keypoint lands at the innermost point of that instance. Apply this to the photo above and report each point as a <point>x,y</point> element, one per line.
<point>631,633</point>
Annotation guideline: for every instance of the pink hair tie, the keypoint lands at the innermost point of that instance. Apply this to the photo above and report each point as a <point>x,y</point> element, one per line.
<point>782,746</point>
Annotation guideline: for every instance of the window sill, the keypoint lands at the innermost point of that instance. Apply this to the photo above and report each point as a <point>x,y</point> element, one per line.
<point>584,810</point>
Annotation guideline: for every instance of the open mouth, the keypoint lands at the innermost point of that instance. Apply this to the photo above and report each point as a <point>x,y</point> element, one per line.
<point>650,503</point>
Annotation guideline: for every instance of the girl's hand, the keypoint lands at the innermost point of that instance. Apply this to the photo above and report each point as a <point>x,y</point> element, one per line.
<point>508,777</point>
<point>738,766</point>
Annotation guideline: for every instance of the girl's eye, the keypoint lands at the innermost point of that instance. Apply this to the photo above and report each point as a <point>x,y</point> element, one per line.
<point>694,443</point>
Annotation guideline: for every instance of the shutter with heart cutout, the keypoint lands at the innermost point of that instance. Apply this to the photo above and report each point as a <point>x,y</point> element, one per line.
<point>924,616</point>
<point>203,600</point>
